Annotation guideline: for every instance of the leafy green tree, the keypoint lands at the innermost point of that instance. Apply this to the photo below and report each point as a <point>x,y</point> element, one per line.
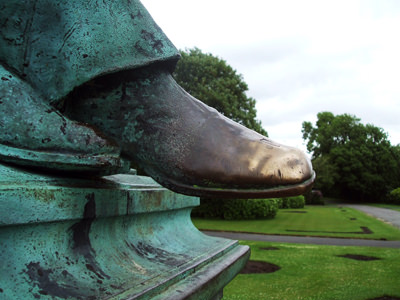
<point>217,84</point>
<point>351,159</point>
<point>327,175</point>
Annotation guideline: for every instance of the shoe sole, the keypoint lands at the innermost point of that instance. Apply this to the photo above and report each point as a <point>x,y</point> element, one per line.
<point>275,192</point>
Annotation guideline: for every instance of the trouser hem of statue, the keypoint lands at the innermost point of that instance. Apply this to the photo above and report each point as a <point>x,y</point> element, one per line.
<point>33,134</point>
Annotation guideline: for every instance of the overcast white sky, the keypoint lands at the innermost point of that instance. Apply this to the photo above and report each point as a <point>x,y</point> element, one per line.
<point>299,57</point>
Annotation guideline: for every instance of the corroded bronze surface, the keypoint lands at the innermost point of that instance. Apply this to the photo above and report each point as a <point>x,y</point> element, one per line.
<point>184,144</point>
<point>117,237</point>
<point>107,64</point>
<point>34,134</point>
<point>58,45</point>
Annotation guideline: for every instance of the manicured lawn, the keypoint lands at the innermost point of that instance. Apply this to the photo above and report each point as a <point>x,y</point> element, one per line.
<point>311,221</point>
<point>312,272</point>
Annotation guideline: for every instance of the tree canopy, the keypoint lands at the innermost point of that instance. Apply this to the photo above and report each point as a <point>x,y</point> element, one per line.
<point>351,159</point>
<point>211,80</point>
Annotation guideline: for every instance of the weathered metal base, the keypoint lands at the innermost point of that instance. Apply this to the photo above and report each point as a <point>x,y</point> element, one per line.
<point>119,237</point>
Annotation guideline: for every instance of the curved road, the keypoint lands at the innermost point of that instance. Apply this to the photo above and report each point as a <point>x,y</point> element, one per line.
<point>384,214</point>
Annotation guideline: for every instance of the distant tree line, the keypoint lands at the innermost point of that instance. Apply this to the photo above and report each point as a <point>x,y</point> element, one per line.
<point>352,160</point>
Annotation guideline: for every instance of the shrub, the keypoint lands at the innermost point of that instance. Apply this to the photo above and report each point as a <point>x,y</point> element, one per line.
<point>247,209</point>
<point>292,202</point>
<point>314,197</point>
<point>279,201</point>
<point>236,209</point>
<point>394,196</point>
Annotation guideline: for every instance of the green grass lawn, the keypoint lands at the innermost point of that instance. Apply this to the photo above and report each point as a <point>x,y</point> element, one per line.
<point>314,221</point>
<point>312,272</point>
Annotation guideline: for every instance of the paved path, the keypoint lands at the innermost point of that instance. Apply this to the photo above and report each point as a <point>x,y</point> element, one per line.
<point>303,240</point>
<point>387,215</point>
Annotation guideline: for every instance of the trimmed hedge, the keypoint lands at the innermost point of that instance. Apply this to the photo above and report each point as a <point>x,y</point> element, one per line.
<point>247,209</point>
<point>291,202</point>
<point>394,196</point>
<point>236,209</point>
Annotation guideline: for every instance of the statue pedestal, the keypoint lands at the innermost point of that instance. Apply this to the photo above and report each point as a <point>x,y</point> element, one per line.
<point>118,237</point>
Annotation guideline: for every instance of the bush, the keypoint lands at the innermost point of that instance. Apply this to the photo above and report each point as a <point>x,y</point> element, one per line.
<point>279,201</point>
<point>314,197</point>
<point>292,202</point>
<point>247,209</point>
<point>237,209</point>
<point>394,196</point>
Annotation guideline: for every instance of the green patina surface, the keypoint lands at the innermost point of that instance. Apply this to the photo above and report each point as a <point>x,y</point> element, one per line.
<point>86,86</point>
<point>47,49</point>
<point>58,45</point>
<point>118,237</point>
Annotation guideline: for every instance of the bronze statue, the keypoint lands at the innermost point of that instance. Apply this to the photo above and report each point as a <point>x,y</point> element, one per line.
<point>85,84</point>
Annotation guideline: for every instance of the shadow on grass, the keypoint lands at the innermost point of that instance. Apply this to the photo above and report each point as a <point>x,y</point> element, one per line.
<point>259,267</point>
<point>364,230</point>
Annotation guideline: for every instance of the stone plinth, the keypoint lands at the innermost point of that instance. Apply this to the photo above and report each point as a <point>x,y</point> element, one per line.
<point>118,237</point>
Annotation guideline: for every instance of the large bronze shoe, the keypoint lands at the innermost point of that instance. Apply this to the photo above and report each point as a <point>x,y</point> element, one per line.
<point>184,144</point>
<point>33,134</point>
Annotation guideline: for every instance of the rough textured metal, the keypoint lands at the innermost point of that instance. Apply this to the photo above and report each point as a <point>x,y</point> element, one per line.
<point>120,237</point>
<point>184,144</point>
<point>47,48</point>
<point>58,45</point>
<point>34,134</point>
<point>106,63</point>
